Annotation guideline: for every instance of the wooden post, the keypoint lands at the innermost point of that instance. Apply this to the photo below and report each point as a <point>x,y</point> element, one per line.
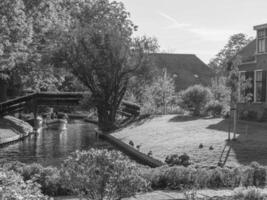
<point>235,120</point>
<point>35,113</point>
<point>229,127</point>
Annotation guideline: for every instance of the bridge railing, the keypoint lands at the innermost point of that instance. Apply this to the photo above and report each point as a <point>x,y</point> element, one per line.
<point>57,98</point>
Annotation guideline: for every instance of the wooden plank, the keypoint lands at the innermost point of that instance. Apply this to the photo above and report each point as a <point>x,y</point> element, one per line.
<point>60,95</point>
<point>130,105</point>
<point>17,100</point>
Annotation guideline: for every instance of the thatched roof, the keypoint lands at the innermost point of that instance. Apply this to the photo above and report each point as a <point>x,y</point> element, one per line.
<point>187,69</point>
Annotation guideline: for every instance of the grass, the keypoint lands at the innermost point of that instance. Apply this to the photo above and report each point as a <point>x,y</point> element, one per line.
<point>164,135</point>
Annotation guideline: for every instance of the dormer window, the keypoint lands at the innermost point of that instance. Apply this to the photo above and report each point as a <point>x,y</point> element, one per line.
<point>261,41</point>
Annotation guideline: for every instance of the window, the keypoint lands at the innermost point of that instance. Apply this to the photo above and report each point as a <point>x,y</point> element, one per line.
<point>260,86</point>
<point>261,45</point>
<point>242,93</point>
<point>261,33</point>
<point>246,87</point>
<point>262,40</point>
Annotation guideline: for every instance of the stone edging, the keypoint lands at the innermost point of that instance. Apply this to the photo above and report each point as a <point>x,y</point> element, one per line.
<point>130,151</point>
<point>10,140</point>
<point>15,127</point>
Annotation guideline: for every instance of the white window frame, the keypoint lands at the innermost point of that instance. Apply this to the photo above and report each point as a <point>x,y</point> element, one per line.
<point>264,37</point>
<point>255,87</point>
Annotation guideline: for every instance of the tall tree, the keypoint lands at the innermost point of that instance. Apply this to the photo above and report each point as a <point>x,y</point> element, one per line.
<point>15,39</point>
<point>235,43</point>
<point>100,51</point>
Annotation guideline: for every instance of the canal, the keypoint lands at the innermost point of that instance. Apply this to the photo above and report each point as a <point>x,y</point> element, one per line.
<point>51,147</point>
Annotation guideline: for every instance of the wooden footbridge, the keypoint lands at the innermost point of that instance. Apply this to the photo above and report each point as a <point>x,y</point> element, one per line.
<point>32,101</point>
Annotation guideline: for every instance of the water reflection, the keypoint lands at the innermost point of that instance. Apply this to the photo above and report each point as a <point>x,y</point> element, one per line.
<point>50,147</point>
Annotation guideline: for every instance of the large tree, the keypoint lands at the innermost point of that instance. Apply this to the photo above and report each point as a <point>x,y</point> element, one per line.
<point>15,39</point>
<point>235,43</point>
<point>100,51</point>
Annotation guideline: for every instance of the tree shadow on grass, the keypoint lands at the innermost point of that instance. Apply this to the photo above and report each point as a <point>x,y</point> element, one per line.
<point>185,118</point>
<point>223,125</point>
<point>250,144</point>
<point>143,119</point>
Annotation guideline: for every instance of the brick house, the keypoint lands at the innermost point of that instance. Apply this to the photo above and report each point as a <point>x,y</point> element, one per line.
<point>253,67</point>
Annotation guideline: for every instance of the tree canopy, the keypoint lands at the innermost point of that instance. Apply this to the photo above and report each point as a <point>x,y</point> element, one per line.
<point>100,51</point>
<point>235,43</point>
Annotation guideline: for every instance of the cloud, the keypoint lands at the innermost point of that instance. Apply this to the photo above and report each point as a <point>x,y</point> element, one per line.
<point>213,34</point>
<point>202,32</point>
<point>174,23</point>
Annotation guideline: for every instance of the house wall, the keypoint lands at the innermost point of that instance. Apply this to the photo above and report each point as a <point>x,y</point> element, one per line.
<point>260,109</point>
<point>246,111</point>
<point>262,61</point>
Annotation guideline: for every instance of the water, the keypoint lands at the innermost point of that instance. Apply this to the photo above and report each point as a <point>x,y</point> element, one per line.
<point>51,147</point>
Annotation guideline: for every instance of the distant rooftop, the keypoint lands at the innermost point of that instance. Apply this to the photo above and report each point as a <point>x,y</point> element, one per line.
<point>261,26</point>
<point>187,69</point>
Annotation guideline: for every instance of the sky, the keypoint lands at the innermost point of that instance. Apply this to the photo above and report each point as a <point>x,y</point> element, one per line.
<point>200,27</point>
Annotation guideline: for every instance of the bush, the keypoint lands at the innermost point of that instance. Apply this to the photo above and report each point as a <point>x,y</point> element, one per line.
<point>14,187</point>
<point>214,108</point>
<point>174,159</point>
<point>195,98</point>
<point>102,174</point>
<point>181,177</point>
<point>47,177</point>
<point>259,176</point>
<point>250,193</point>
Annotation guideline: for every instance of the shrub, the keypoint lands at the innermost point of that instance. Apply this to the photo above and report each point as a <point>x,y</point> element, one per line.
<point>179,177</point>
<point>214,108</point>
<point>14,187</point>
<point>48,177</point>
<point>174,159</point>
<point>102,174</point>
<point>250,193</point>
<point>201,178</point>
<point>195,98</point>
<point>259,177</point>
<point>216,178</point>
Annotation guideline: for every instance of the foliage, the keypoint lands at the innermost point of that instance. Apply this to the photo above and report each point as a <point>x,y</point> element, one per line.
<point>102,174</point>
<point>195,98</point>
<point>99,50</point>
<point>157,94</point>
<point>180,177</point>
<point>235,43</point>
<point>14,187</point>
<point>174,159</point>
<point>221,92</point>
<point>16,35</point>
<point>250,193</point>
<point>48,178</point>
<point>215,108</point>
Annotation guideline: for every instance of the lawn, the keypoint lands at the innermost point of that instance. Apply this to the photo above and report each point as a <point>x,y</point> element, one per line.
<point>170,134</point>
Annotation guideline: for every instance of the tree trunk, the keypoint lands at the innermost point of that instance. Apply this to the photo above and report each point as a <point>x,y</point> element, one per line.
<point>3,90</point>
<point>106,117</point>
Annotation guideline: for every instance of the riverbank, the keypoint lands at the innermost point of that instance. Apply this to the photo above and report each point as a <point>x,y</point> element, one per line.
<point>171,134</point>
<point>13,129</point>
